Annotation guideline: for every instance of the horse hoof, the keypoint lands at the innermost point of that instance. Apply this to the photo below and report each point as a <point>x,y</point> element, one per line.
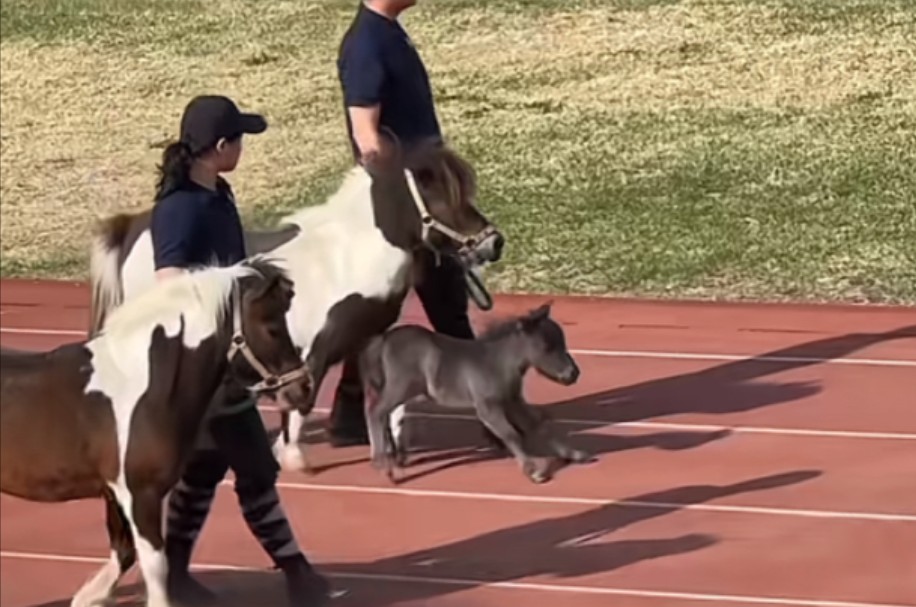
<point>400,459</point>
<point>292,459</point>
<point>537,473</point>
<point>582,457</point>
<point>539,476</point>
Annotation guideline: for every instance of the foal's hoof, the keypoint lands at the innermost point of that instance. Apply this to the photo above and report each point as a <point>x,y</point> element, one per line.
<point>581,457</point>
<point>292,459</point>
<point>539,476</point>
<point>537,473</point>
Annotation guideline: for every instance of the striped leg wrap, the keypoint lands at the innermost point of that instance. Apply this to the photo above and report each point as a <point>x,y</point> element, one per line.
<point>188,509</point>
<point>266,519</point>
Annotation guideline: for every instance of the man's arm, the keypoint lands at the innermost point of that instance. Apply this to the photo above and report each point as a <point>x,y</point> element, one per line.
<point>362,76</point>
<point>365,130</point>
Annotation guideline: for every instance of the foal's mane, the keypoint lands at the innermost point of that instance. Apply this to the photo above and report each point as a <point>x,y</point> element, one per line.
<point>500,329</point>
<point>505,327</point>
<point>201,296</point>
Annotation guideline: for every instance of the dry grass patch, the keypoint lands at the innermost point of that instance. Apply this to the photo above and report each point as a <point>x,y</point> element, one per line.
<point>707,148</point>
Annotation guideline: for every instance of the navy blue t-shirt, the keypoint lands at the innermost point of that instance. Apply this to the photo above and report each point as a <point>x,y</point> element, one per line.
<point>378,64</point>
<point>195,226</point>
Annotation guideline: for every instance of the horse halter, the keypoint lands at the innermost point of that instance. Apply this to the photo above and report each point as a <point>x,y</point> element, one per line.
<point>269,381</point>
<point>467,243</point>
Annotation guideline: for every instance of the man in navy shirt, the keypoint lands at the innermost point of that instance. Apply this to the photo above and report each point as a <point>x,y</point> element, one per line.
<point>385,84</point>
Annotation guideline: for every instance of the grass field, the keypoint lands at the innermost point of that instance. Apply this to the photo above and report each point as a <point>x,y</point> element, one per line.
<point>701,148</point>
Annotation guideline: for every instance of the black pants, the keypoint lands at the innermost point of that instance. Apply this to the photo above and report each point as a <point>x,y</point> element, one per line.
<point>240,443</point>
<point>441,290</point>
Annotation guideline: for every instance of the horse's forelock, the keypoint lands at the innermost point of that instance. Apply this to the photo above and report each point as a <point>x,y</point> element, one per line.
<point>456,174</point>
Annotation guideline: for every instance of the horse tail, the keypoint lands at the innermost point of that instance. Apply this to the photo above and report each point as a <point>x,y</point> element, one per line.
<point>104,269</point>
<point>371,368</point>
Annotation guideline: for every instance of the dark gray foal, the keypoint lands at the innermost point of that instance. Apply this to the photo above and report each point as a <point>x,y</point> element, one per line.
<point>410,363</point>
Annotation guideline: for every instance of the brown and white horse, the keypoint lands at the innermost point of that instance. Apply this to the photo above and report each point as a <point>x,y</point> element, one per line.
<point>351,257</point>
<point>116,416</point>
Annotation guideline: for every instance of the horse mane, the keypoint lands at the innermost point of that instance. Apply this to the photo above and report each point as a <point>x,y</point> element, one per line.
<point>201,296</point>
<point>334,208</point>
<point>500,329</point>
<point>430,158</point>
<point>446,165</point>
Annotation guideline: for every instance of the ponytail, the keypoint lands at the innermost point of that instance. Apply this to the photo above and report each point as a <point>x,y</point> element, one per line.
<point>175,170</point>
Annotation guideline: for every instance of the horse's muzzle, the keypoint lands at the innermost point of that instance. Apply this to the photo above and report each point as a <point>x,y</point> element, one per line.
<point>488,250</point>
<point>295,397</point>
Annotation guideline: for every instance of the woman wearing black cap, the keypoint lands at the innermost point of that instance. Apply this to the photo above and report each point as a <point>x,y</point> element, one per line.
<point>195,222</point>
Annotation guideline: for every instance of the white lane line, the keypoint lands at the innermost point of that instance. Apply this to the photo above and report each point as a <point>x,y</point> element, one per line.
<point>61,332</point>
<point>873,362</point>
<point>594,423</point>
<point>665,425</point>
<point>590,501</point>
<point>868,362</point>
<point>478,583</point>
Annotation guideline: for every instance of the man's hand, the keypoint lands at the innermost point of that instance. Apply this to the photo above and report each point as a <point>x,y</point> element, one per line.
<point>365,132</point>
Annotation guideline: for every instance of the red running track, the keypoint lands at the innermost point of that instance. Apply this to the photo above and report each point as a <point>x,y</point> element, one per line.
<point>749,455</point>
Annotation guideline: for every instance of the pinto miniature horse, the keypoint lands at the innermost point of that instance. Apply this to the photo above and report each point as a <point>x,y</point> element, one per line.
<point>351,258</point>
<point>411,363</point>
<point>115,417</point>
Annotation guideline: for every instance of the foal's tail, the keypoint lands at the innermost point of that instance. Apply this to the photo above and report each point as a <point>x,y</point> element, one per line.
<point>371,369</point>
<point>104,269</point>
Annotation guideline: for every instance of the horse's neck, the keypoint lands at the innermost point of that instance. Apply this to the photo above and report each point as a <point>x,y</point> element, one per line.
<point>339,252</point>
<point>188,388</point>
<point>510,351</point>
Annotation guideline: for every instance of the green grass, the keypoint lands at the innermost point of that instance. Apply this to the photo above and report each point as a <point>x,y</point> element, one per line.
<point>757,149</point>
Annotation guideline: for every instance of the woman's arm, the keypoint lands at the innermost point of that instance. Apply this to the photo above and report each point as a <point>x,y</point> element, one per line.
<point>173,227</point>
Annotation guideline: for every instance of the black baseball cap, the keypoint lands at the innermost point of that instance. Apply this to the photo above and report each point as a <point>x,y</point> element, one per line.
<point>209,118</point>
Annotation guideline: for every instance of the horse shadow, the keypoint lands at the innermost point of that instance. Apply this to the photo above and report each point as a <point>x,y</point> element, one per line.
<point>733,387</point>
<point>568,546</point>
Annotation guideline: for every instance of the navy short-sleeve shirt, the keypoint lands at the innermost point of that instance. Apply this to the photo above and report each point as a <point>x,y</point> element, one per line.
<point>378,64</point>
<point>195,226</point>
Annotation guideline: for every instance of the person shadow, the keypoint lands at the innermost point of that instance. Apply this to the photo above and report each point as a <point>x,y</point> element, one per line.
<point>566,547</point>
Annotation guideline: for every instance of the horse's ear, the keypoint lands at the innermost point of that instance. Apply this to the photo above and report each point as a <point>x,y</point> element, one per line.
<point>542,312</point>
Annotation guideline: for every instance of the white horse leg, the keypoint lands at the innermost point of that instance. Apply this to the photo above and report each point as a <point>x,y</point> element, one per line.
<point>97,591</point>
<point>145,518</point>
<point>396,424</point>
<point>291,455</point>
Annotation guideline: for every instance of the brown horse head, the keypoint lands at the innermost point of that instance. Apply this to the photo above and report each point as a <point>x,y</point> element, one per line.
<point>262,350</point>
<point>435,191</point>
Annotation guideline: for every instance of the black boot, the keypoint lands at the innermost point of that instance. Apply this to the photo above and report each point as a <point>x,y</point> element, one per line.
<point>182,588</point>
<point>305,587</point>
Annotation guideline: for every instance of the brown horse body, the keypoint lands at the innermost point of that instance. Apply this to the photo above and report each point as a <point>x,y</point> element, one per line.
<point>116,417</point>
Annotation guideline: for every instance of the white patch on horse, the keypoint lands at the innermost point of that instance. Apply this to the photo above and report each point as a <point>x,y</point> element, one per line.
<point>97,590</point>
<point>139,271</point>
<point>338,252</point>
